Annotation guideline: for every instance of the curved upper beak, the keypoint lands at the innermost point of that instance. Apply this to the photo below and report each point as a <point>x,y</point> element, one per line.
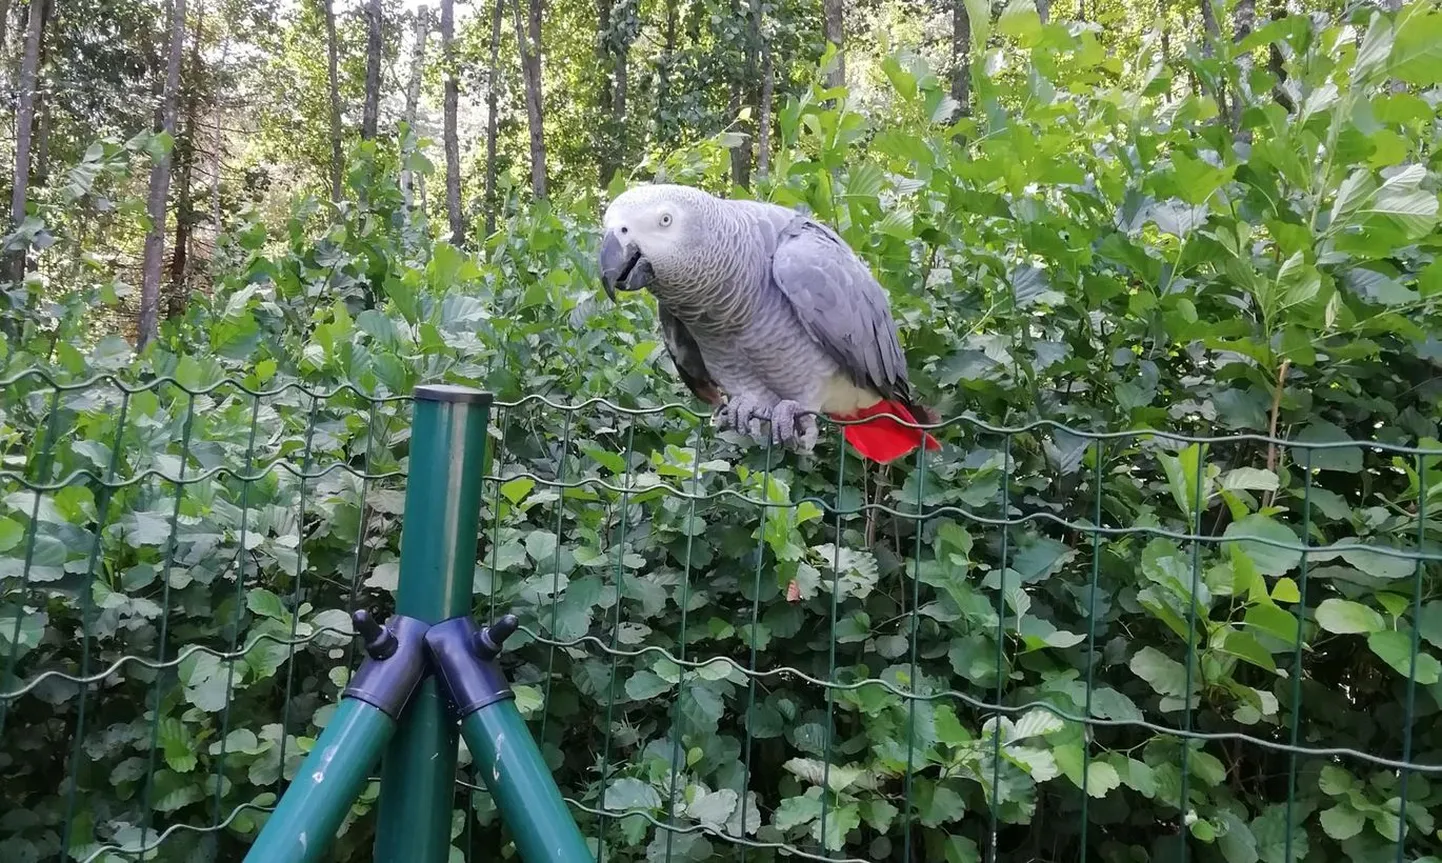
<point>622,267</point>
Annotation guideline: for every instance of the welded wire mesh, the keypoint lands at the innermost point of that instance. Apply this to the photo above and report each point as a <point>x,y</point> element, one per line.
<point>730,651</point>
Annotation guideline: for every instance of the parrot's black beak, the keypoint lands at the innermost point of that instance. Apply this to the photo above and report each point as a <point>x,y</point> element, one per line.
<point>622,267</point>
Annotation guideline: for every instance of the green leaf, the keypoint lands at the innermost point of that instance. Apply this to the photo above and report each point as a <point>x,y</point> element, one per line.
<point>1417,50</point>
<point>1342,459</point>
<point>266,604</point>
<point>516,490</point>
<point>1166,675</point>
<point>1342,822</point>
<point>627,793</point>
<point>1395,648</point>
<point>1269,559</point>
<point>1343,616</point>
<point>645,685</point>
<point>10,534</point>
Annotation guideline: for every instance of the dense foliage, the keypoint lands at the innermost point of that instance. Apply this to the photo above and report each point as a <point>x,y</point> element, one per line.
<point>1094,249</point>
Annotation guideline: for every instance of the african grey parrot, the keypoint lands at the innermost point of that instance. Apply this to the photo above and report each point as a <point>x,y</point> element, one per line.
<point>769,307</point>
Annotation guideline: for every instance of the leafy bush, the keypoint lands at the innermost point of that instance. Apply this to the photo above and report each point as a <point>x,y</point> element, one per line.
<point>1083,256</point>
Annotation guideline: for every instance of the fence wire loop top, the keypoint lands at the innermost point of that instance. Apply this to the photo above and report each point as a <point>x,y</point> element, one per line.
<point>728,650</point>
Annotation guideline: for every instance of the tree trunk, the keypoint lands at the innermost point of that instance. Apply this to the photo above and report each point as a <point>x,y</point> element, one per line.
<point>835,27</point>
<point>530,48</point>
<point>663,74</point>
<point>370,115</point>
<point>450,136</point>
<point>742,155</point>
<point>622,77</point>
<point>493,124</point>
<point>1276,63</point>
<point>413,91</point>
<point>4,24</point>
<point>961,57</point>
<point>147,327</point>
<point>333,79</point>
<point>218,157</point>
<point>1212,33</point>
<point>1043,10</point>
<point>24,122</point>
<point>185,152</point>
<point>768,89</point>
<point>1244,21</point>
<point>603,142</point>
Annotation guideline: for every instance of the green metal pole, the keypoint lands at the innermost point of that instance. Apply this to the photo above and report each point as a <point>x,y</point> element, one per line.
<point>306,819</point>
<point>525,793</point>
<point>438,562</point>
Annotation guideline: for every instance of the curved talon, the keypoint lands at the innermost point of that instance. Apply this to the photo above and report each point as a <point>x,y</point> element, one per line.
<point>792,425</point>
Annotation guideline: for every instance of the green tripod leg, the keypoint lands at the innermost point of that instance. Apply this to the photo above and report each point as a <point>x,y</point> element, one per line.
<point>306,819</point>
<point>464,658</point>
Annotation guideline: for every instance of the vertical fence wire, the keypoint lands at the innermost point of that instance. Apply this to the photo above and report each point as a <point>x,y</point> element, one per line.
<point>831,640</point>
<point>87,596</point>
<point>1293,737</point>
<point>163,640</point>
<point>697,458</point>
<point>765,511</point>
<point>242,548</point>
<point>615,633</point>
<point>1000,666</point>
<point>1091,654</point>
<point>1414,648</point>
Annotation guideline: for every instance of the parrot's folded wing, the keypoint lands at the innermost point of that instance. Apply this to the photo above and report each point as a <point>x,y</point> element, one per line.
<point>844,309</point>
<point>841,306</point>
<point>686,354</point>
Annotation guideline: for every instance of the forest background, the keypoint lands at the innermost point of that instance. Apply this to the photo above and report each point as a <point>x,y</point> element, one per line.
<point>241,232</point>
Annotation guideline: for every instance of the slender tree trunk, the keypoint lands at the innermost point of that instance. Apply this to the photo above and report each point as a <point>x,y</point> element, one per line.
<point>663,74</point>
<point>768,89</point>
<point>1043,10</point>
<point>370,115</point>
<point>413,91</point>
<point>1277,64</point>
<point>1211,35</point>
<point>4,24</point>
<point>218,161</point>
<point>1244,21</point>
<point>333,82</point>
<point>622,78</point>
<point>742,155</point>
<point>530,47</point>
<point>24,122</point>
<point>493,124</point>
<point>185,152</point>
<point>42,140</point>
<point>148,324</point>
<point>961,57</point>
<point>449,135</point>
<point>834,12</point>
<point>604,141</point>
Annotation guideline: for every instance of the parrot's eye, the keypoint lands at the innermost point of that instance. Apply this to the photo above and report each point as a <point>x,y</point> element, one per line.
<point>665,220</point>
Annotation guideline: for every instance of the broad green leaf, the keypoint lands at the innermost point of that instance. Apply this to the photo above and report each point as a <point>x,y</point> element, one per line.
<point>1395,648</point>
<point>1166,675</point>
<point>1343,616</point>
<point>627,793</point>
<point>1269,557</point>
<point>1342,821</point>
<point>1417,50</point>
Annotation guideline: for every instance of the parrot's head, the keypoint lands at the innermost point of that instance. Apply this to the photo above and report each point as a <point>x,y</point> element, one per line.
<point>648,229</point>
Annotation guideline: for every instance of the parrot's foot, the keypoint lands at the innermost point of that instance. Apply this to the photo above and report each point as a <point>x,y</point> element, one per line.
<point>793,425</point>
<point>742,414</point>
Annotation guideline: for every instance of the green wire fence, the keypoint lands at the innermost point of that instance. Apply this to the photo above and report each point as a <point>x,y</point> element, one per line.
<point>1039,644</point>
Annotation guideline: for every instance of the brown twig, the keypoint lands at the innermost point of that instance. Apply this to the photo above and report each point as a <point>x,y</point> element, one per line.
<point>1276,409</point>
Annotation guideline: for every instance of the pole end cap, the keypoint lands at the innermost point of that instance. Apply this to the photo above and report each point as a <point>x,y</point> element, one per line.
<point>452,393</point>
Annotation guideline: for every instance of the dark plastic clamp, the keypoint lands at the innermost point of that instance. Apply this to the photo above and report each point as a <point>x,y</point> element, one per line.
<point>395,661</point>
<point>464,657</point>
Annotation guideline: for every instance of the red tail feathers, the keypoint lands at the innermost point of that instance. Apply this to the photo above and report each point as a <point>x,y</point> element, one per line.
<point>884,439</point>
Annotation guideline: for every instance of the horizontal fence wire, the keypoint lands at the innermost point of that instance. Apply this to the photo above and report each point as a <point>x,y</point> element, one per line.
<point>728,650</point>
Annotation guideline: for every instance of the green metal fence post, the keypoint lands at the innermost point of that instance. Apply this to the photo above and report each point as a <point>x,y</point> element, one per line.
<point>463,656</point>
<point>437,570</point>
